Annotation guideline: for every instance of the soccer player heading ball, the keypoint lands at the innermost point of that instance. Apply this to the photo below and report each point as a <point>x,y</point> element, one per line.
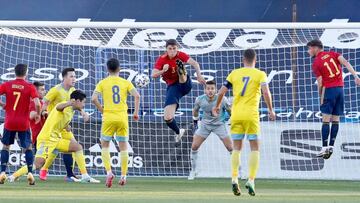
<point>170,66</point>
<point>328,72</point>
<point>247,84</point>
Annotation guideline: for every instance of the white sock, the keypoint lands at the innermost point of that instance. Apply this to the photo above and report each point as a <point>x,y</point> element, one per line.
<point>193,158</point>
<point>109,173</point>
<point>85,175</point>
<point>235,181</point>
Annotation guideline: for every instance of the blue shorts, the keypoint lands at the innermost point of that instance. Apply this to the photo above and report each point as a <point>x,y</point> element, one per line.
<point>176,91</point>
<point>24,137</point>
<point>333,103</point>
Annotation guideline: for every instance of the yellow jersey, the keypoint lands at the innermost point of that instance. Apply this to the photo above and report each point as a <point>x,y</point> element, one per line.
<point>56,122</point>
<point>114,91</point>
<point>246,85</point>
<point>56,95</point>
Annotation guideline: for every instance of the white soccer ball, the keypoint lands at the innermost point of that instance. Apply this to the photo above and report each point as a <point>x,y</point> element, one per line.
<point>142,80</point>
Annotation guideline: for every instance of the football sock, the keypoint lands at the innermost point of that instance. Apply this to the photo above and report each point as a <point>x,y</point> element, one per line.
<point>325,133</point>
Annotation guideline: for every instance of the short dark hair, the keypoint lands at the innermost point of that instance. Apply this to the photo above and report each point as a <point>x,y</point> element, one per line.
<point>249,55</point>
<point>78,95</point>
<point>112,64</point>
<point>211,82</point>
<point>171,42</point>
<point>66,70</point>
<point>38,84</point>
<point>20,70</point>
<point>315,43</point>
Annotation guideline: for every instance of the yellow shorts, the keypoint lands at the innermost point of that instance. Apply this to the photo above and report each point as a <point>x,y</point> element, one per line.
<point>119,129</point>
<point>240,128</point>
<point>53,146</point>
<point>67,135</point>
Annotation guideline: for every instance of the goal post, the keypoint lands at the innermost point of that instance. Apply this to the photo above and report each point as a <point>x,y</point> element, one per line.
<point>288,145</point>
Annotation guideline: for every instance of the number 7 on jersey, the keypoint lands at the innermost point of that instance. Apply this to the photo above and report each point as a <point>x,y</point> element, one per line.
<point>246,81</point>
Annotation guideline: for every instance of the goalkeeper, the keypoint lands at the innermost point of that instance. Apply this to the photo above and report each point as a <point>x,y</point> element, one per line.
<point>209,123</point>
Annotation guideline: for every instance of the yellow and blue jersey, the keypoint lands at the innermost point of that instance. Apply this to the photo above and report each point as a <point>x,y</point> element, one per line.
<point>54,125</point>
<point>56,95</point>
<point>114,91</point>
<point>246,84</point>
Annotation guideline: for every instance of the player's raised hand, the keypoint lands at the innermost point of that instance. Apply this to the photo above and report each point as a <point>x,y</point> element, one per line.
<point>165,68</point>
<point>201,79</point>
<point>272,115</point>
<point>357,81</point>
<point>136,116</point>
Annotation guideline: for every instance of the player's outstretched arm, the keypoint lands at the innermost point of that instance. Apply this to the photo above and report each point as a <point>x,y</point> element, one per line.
<point>62,106</point>
<point>221,95</point>
<point>136,94</point>
<point>268,100</point>
<point>350,68</point>
<point>96,102</point>
<point>196,65</point>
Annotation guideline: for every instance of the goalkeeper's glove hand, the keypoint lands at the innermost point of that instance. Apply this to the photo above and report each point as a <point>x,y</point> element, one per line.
<point>195,123</point>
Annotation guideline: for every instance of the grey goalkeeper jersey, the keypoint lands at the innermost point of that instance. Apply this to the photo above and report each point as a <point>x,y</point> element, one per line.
<point>202,103</point>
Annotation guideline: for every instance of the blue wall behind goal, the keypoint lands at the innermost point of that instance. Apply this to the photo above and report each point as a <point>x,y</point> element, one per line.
<point>180,10</point>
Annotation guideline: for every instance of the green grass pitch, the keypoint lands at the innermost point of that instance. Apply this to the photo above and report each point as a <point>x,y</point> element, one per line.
<point>158,190</point>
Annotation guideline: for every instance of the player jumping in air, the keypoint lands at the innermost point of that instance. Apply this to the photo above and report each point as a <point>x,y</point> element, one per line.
<point>18,94</point>
<point>50,140</point>
<point>247,84</point>
<point>35,125</point>
<point>209,123</point>
<point>170,66</point>
<point>114,91</point>
<point>328,72</point>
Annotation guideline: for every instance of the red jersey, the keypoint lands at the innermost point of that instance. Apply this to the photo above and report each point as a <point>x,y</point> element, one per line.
<point>327,65</point>
<point>18,94</point>
<point>36,126</point>
<point>171,75</point>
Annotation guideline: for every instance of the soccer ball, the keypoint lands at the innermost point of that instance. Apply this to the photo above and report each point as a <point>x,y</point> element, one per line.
<point>142,80</point>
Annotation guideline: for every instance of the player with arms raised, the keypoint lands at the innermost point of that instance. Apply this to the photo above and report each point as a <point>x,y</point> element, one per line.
<point>247,84</point>
<point>328,72</point>
<point>18,94</point>
<point>114,91</point>
<point>170,66</point>
<point>209,123</point>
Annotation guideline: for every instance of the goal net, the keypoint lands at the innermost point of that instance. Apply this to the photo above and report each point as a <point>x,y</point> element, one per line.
<point>288,145</point>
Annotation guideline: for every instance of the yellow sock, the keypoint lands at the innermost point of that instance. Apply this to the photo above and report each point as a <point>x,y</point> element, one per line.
<point>253,164</point>
<point>105,155</point>
<point>22,171</point>
<point>80,160</point>
<point>124,158</point>
<point>50,159</point>
<point>235,164</point>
